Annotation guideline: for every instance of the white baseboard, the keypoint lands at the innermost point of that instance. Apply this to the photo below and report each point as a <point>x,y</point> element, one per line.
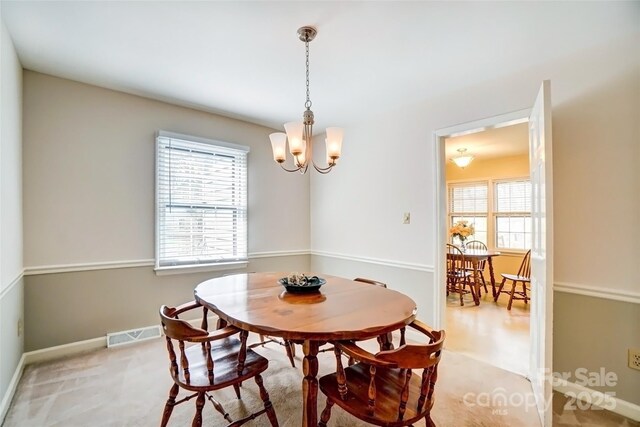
<point>58,351</point>
<point>597,398</point>
<point>11,390</point>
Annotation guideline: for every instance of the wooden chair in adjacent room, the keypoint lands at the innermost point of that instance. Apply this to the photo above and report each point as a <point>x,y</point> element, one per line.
<point>458,277</point>
<point>214,360</point>
<point>381,388</point>
<point>523,277</point>
<point>478,245</point>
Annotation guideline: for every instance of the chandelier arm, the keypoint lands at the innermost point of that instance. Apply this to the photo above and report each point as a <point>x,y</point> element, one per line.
<point>290,170</point>
<point>321,169</point>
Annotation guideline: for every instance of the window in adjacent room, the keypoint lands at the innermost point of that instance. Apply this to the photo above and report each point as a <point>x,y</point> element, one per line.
<point>469,202</point>
<point>512,208</point>
<point>500,211</point>
<point>201,202</point>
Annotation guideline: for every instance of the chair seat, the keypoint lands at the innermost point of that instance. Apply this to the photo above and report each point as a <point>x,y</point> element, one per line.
<point>460,273</point>
<point>389,384</point>
<point>515,277</point>
<point>225,366</point>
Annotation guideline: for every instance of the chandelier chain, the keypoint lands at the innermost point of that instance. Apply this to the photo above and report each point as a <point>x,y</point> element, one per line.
<point>307,104</point>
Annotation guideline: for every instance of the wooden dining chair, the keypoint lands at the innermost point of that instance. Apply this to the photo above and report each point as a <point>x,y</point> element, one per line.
<point>370,281</point>
<point>478,245</point>
<point>457,274</point>
<point>523,276</point>
<point>382,388</point>
<point>213,361</point>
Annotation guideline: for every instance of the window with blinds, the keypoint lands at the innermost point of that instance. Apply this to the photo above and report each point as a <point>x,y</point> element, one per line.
<point>201,199</point>
<point>513,214</point>
<point>469,201</point>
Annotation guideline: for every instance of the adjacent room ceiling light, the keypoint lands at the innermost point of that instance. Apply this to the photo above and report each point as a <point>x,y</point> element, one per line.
<point>463,159</point>
<point>300,134</point>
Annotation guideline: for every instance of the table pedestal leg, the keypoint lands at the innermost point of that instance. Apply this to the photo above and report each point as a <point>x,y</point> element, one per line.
<point>476,281</point>
<point>493,279</point>
<point>310,384</point>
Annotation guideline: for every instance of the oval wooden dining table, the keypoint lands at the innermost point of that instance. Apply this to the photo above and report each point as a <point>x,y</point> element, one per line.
<point>342,310</point>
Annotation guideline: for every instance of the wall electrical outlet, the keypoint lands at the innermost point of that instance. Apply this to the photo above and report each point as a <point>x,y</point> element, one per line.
<point>406,218</point>
<point>20,327</point>
<point>634,358</point>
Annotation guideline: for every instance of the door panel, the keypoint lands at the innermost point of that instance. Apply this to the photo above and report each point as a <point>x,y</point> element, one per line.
<point>541,251</point>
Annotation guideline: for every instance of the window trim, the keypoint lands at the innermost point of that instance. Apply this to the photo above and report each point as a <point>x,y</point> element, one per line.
<point>192,268</point>
<point>491,209</point>
<point>496,214</point>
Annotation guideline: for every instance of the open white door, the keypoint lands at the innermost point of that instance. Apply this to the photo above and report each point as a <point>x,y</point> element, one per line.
<point>541,252</point>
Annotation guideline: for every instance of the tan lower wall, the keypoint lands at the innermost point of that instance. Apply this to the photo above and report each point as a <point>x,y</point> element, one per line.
<point>11,344</point>
<point>595,333</point>
<point>61,308</point>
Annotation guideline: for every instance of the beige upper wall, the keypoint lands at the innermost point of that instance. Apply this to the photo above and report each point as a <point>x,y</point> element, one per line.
<point>10,162</point>
<point>595,153</point>
<point>89,158</point>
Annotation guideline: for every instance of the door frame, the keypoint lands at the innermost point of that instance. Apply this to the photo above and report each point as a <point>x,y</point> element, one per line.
<point>439,168</point>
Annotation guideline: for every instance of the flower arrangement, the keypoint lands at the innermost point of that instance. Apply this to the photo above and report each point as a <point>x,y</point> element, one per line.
<point>462,230</point>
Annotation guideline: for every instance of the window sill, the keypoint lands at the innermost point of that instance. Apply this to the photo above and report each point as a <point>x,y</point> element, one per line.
<point>512,252</point>
<point>199,268</point>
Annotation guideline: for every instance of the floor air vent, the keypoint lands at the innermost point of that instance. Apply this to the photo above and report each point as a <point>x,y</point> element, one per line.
<point>134,335</point>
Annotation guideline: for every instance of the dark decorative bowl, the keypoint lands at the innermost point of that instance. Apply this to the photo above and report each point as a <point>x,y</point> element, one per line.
<point>311,285</point>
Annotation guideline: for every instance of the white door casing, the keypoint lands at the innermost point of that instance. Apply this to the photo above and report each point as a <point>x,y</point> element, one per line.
<point>541,252</point>
<point>541,324</point>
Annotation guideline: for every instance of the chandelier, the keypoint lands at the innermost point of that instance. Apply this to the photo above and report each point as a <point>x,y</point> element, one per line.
<point>463,159</point>
<point>300,134</point>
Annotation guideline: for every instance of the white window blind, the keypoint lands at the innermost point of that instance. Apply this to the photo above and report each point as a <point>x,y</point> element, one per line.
<point>201,197</point>
<point>468,198</point>
<point>469,202</point>
<point>513,214</point>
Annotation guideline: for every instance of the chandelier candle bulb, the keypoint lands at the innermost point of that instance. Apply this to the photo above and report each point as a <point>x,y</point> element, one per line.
<point>334,142</point>
<point>330,161</point>
<point>279,146</point>
<point>294,133</point>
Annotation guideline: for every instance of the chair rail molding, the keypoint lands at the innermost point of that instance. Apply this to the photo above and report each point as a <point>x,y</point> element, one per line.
<point>379,261</point>
<point>150,262</point>
<point>598,292</point>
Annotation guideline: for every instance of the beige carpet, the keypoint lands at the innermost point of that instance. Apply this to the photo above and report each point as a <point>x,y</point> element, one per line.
<point>128,387</point>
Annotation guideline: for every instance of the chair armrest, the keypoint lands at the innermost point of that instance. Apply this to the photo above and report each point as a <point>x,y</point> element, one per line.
<point>218,334</point>
<point>422,327</point>
<point>352,350</point>
<point>186,307</point>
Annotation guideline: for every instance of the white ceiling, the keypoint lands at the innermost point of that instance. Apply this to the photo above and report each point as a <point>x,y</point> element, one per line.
<point>244,60</point>
<point>501,142</point>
